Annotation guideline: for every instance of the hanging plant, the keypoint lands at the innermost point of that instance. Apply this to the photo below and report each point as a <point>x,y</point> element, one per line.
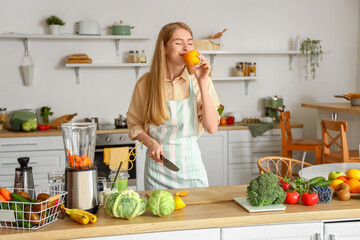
<point>313,55</point>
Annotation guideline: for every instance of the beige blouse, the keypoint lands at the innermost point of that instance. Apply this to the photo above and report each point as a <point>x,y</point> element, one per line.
<point>177,89</point>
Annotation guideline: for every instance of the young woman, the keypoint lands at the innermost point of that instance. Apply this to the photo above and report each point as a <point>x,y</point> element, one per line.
<point>170,107</point>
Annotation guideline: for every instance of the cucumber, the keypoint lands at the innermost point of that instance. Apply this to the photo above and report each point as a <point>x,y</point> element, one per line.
<point>18,197</point>
<point>324,183</point>
<point>316,180</point>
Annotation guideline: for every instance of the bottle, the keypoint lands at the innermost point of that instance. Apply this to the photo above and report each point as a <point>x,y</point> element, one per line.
<point>3,117</point>
<point>143,57</point>
<point>248,67</point>
<point>137,56</point>
<point>245,69</point>
<point>131,57</point>
<point>297,43</point>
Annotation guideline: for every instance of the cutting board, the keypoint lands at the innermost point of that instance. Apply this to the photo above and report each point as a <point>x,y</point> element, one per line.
<point>245,203</point>
<point>201,195</point>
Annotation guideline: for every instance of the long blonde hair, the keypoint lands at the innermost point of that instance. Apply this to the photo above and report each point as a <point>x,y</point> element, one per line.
<point>155,100</point>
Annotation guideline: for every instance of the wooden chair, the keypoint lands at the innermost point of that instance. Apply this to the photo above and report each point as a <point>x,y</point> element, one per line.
<point>340,128</point>
<point>289,144</point>
<point>276,165</point>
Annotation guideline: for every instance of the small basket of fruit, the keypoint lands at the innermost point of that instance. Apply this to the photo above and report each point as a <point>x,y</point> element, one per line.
<point>31,209</point>
<point>325,194</point>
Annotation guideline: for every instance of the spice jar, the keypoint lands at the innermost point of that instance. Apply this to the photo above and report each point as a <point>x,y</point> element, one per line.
<point>239,69</point>
<point>137,57</point>
<point>254,68</point>
<point>131,57</point>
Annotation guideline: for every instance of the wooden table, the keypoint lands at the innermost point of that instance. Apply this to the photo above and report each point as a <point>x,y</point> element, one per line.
<point>216,215</point>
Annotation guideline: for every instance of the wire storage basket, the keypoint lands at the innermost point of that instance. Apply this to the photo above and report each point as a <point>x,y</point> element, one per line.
<point>31,215</point>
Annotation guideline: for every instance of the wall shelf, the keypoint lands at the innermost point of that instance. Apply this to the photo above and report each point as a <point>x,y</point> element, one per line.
<point>290,53</point>
<point>246,80</point>
<point>117,38</point>
<point>77,67</point>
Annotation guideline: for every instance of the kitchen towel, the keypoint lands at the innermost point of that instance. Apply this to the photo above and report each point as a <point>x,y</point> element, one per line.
<point>257,129</point>
<point>106,156</point>
<point>118,155</point>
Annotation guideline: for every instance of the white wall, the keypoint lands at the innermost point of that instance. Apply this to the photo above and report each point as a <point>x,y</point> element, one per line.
<point>251,25</point>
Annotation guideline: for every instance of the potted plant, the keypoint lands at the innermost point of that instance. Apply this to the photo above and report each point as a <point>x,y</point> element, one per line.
<point>313,55</point>
<point>55,23</point>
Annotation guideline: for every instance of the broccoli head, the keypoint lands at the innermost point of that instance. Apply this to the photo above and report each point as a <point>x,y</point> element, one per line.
<point>265,190</point>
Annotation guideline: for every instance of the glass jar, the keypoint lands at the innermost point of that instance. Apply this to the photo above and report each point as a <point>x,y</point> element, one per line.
<point>3,118</point>
<point>239,70</point>
<point>248,67</point>
<point>137,56</point>
<point>245,69</point>
<point>131,57</point>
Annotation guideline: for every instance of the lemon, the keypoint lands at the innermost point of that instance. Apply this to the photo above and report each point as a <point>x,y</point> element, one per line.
<point>353,173</point>
<point>179,204</point>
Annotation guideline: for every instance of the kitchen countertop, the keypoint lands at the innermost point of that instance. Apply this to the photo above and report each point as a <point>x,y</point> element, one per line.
<point>345,107</point>
<point>55,132</point>
<point>215,215</point>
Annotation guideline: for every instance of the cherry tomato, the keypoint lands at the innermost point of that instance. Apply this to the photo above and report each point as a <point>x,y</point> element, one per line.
<point>309,199</point>
<point>285,186</point>
<point>292,197</point>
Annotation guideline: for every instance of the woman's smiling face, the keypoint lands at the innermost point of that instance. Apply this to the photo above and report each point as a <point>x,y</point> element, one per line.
<point>180,42</point>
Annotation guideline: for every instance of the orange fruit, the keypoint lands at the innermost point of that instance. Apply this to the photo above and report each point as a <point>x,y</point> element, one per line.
<point>335,184</point>
<point>223,121</point>
<point>353,173</point>
<point>182,193</point>
<point>354,185</point>
<point>343,178</point>
<point>191,59</point>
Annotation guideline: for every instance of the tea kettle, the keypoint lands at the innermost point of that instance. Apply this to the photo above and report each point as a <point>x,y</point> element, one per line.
<point>24,180</point>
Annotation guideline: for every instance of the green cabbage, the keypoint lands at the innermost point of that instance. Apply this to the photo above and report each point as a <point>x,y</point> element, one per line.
<point>161,203</point>
<point>126,204</point>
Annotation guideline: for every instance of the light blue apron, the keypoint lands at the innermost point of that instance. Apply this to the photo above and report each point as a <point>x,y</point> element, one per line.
<point>178,137</point>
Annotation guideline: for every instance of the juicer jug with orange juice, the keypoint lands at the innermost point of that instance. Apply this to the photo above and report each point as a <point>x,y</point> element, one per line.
<point>81,177</point>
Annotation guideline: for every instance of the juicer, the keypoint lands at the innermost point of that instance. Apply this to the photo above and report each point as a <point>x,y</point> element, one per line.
<point>81,176</point>
<point>272,107</point>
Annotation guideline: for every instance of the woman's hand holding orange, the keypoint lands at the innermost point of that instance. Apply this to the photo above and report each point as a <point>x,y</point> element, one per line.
<point>202,72</point>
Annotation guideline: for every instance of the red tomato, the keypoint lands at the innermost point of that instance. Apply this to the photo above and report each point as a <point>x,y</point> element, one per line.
<point>230,120</point>
<point>309,199</point>
<point>292,197</point>
<point>41,127</point>
<point>285,186</point>
<point>47,127</point>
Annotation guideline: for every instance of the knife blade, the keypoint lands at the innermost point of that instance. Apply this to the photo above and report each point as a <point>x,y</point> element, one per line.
<point>169,164</point>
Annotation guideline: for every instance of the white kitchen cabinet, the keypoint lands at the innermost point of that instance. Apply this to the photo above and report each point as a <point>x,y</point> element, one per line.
<point>214,155</point>
<point>353,133</point>
<point>288,231</point>
<point>245,151</point>
<point>46,154</point>
<point>342,231</point>
<point>208,234</point>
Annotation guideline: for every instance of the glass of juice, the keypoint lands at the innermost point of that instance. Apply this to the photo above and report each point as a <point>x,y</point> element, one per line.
<point>122,181</point>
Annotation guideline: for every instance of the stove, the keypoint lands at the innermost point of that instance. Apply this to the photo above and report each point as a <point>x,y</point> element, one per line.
<point>108,126</point>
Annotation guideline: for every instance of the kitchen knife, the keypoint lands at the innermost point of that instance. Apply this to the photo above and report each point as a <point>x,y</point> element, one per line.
<point>169,164</point>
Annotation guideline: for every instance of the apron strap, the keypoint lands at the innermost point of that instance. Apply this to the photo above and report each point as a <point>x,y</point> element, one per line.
<point>192,92</point>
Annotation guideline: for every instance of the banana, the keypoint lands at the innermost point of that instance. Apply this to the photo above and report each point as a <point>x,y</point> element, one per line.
<point>92,217</point>
<point>76,216</point>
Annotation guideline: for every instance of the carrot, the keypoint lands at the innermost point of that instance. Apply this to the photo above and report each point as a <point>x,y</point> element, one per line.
<point>5,193</point>
<point>2,199</point>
